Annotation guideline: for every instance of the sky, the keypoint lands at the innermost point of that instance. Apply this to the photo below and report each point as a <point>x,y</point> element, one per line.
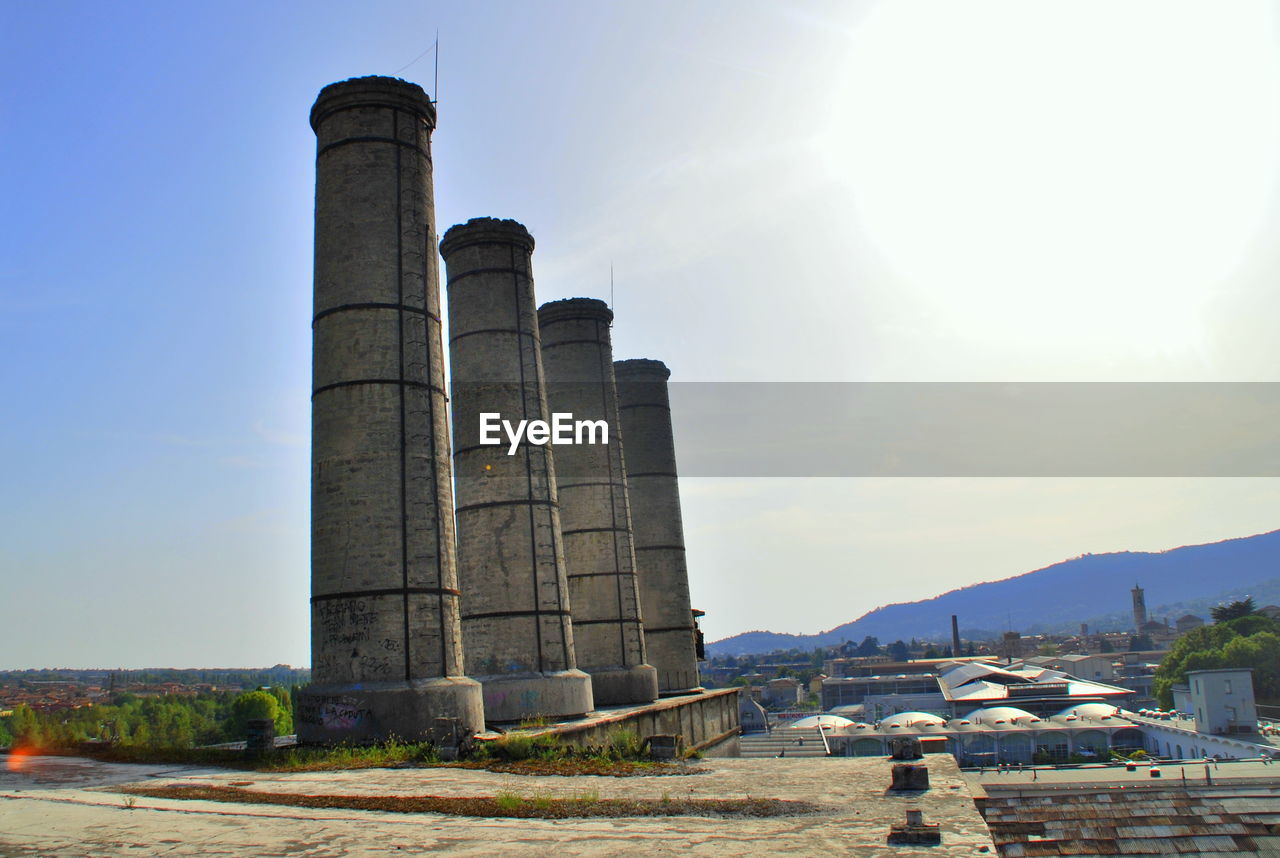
<point>993,191</point>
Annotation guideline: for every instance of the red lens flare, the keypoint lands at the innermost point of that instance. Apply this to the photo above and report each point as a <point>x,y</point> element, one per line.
<point>17,758</point>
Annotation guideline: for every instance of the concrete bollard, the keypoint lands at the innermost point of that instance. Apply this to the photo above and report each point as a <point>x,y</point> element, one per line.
<point>260,736</point>
<point>915,831</point>
<point>665,746</point>
<point>905,748</point>
<point>909,777</point>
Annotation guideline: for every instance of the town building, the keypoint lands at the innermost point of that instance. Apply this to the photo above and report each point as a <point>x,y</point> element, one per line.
<point>1222,701</point>
<point>1187,622</point>
<point>783,693</point>
<point>1099,666</point>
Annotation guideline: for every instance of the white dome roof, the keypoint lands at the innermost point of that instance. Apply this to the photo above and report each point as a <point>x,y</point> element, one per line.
<point>913,719</point>
<point>820,721</point>
<point>1002,716</point>
<point>1092,711</point>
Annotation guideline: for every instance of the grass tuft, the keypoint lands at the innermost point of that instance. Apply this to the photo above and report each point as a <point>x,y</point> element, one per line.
<point>507,801</point>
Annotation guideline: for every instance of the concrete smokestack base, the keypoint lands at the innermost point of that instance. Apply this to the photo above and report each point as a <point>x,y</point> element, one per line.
<point>555,694</point>
<point>621,686</point>
<point>376,711</point>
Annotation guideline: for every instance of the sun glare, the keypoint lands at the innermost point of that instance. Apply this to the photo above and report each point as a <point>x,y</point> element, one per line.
<point>1057,174</point>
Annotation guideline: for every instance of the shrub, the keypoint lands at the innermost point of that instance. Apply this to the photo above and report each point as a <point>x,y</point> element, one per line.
<point>624,745</point>
<point>507,800</point>
<point>514,746</point>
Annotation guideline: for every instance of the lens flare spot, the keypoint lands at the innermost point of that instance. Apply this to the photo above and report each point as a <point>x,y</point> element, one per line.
<point>17,759</point>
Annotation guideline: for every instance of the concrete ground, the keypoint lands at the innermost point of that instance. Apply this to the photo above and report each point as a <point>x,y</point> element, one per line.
<point>70,807</point>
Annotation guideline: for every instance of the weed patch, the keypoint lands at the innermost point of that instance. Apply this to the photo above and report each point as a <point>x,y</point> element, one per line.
<point>503,804</point>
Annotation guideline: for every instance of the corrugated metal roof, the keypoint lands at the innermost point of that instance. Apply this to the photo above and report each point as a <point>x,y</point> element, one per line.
<point>1221,820</point>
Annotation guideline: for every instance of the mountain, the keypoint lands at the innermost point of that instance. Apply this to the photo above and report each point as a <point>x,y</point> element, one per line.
<point>1092,588</point>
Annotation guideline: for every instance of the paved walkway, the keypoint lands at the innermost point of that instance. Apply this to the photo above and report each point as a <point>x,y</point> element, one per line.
<point>69,807</point>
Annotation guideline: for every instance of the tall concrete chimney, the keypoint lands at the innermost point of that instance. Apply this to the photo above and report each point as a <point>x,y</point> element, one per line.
<point>661,571</point>
<point>515,619</point>
<point>386,647</point>
<point>595,516</point>
<point>955,637</point>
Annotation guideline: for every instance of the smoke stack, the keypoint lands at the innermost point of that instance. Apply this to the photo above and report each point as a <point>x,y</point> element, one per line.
<point>595,513</point>
<point>386,651</point>
<point>955,637</point>
<point>511,569</point>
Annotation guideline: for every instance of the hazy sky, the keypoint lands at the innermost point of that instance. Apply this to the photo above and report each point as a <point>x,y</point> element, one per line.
<point>898,191</point>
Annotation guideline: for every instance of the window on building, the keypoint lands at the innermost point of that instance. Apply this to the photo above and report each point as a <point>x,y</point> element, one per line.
<point>1197,686</point>
<point>1226,686</point>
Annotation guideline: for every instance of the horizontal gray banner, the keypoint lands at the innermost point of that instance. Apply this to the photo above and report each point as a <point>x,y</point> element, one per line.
<point>835,429</point>
<point>976,429</point>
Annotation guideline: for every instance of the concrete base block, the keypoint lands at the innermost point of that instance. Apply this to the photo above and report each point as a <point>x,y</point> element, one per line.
<point>622,686</point>
<point>907,777</point>
<point>367,712</point>
<point>563,694</point>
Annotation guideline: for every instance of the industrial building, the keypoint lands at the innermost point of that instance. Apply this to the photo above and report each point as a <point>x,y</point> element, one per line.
<point>999,734</point>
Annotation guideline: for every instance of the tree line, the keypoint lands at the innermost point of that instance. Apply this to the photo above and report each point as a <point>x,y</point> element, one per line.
<point>169,721</point>
<point>1239,638</point>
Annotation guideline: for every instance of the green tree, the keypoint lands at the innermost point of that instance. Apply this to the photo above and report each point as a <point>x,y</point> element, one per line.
<point>1140,643</point>
<point>6,738</point>
<point>870,646</point>
<point>248,706</point>
<point>284,723</point>
<point>24,724</point>
<point>1249,641</point>
<point>1105,646</point>
<point>1233,610</point>
<point>898,651</point>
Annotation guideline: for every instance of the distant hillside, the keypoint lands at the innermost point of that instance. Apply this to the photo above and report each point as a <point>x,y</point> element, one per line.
<point>1093,588</point>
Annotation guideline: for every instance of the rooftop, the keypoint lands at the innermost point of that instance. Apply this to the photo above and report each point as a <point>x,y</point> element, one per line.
<point>986,682</point>
<point>64,806</point>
